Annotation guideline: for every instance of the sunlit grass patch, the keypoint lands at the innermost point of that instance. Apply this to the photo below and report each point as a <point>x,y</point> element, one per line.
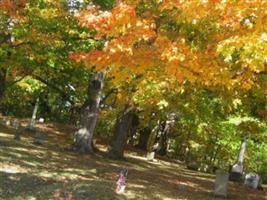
<point>28,171</point>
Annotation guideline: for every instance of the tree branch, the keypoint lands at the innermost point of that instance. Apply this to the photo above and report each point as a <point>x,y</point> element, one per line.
<point>52,86</point>
<point>111,91</point>
<point>16,81</point>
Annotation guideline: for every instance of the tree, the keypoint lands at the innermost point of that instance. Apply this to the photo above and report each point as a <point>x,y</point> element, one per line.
<point>42,34</point>
<point>84,136</point>
<point>180,39</point>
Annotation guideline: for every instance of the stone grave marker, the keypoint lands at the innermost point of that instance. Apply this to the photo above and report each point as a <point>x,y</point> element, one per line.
<point>252,180</point>
<point>7,123</point>
<point>16,124</point>
<point>121,183</point>
<point>193,166</point>
<point>236,172</point>
<point>221,183</point>
<point>2,121</point>
<point>182,187</point>
<point>39,138</point>
<point>18,129</point>
<point>41,120</point>
<point>150,156</point>
<point>203,168</point>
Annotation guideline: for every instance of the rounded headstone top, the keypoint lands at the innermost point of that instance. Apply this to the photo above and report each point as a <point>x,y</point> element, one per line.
<point>41,120</point>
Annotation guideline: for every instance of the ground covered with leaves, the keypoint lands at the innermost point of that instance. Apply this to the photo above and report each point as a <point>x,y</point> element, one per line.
<point>51,171</point>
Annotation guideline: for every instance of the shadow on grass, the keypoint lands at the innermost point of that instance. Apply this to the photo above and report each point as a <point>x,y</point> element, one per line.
<point>26,186</point>
<point>49,172</point>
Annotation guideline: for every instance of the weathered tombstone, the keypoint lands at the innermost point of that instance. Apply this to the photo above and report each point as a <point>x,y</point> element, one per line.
<point>252,180</point>
<point>32,122</point>
<point>41,120</point>
<point>193,166</point>
<point>2,121</point>
<point>203,168</point>
<point>16,125</point>
<point>121,183</point>
<point>237,169</point>
<point>236,172</point>
<point>39,138</point>
<point>150,156</point>
<point>182,187</point>
<point>18,133</point>
<point>221,183</point>
<point>7,123</point>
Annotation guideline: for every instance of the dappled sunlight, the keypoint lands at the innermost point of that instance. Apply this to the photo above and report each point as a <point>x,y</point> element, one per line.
<point>5,135</point>
<point>6,168</point>
<point>50,171</point>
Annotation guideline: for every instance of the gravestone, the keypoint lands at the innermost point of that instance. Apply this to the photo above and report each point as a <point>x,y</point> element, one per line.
<point>18,129</point>
<point>150,156</point>
<point>193,166</point>
<point>18,133</point>
<point>39,138</point>
<point>41,120</point>
<point>203,168</point>
<point>16,124</point>
<point>121,183</point>
<point>237,169</point>
<point>252,180</point>
<point>221,183</point>
<point>2,121</point>
<point>236,172</point>
<point>182,187</point>
<point>7,123</point>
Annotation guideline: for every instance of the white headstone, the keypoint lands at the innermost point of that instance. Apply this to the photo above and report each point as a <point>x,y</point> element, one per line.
<point>41,120</point>
<point>238,168</point>
<point>8,122</point>
<point>16,124</point>
<point>151,156</point>
<point>221,183</point>
<point>252,180</point>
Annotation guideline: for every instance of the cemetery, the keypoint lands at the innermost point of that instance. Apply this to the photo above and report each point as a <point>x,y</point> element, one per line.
<point>133,100</point>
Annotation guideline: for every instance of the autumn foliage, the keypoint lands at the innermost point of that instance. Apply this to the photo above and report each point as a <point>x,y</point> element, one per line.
<point>201,49</point>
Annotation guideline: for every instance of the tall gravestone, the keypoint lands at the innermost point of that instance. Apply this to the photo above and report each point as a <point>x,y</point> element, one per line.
<point>221,183</point>
<point>34,114</point>
<point>237,169</point>
<point>18,130</point>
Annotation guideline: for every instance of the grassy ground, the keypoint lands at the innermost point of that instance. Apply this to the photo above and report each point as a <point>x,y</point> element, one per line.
<point>28,171</point>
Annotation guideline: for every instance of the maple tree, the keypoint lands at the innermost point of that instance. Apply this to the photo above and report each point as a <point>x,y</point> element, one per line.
<point>213,43</point>
<point>37,39</point>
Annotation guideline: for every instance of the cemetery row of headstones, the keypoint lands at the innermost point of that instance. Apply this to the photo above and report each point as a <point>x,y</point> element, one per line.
<point>235,174</point>
<point>20,130</point>
<point>251,180</point>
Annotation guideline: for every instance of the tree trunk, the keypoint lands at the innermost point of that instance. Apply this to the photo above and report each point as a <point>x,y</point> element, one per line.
<point>143,139</point>
<point>121,132</point>
<point>2,83</point>
<point>164,138</point>
<point>83,138</point>
<point>133,129</point>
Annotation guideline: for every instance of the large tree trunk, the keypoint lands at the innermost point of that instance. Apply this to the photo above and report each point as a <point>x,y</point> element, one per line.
<point>121,132</point>
<point>143,139</point>
<point>164,138</point>
<point>133,129</point>
<point>89,115</point>
<point>2,83</point>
